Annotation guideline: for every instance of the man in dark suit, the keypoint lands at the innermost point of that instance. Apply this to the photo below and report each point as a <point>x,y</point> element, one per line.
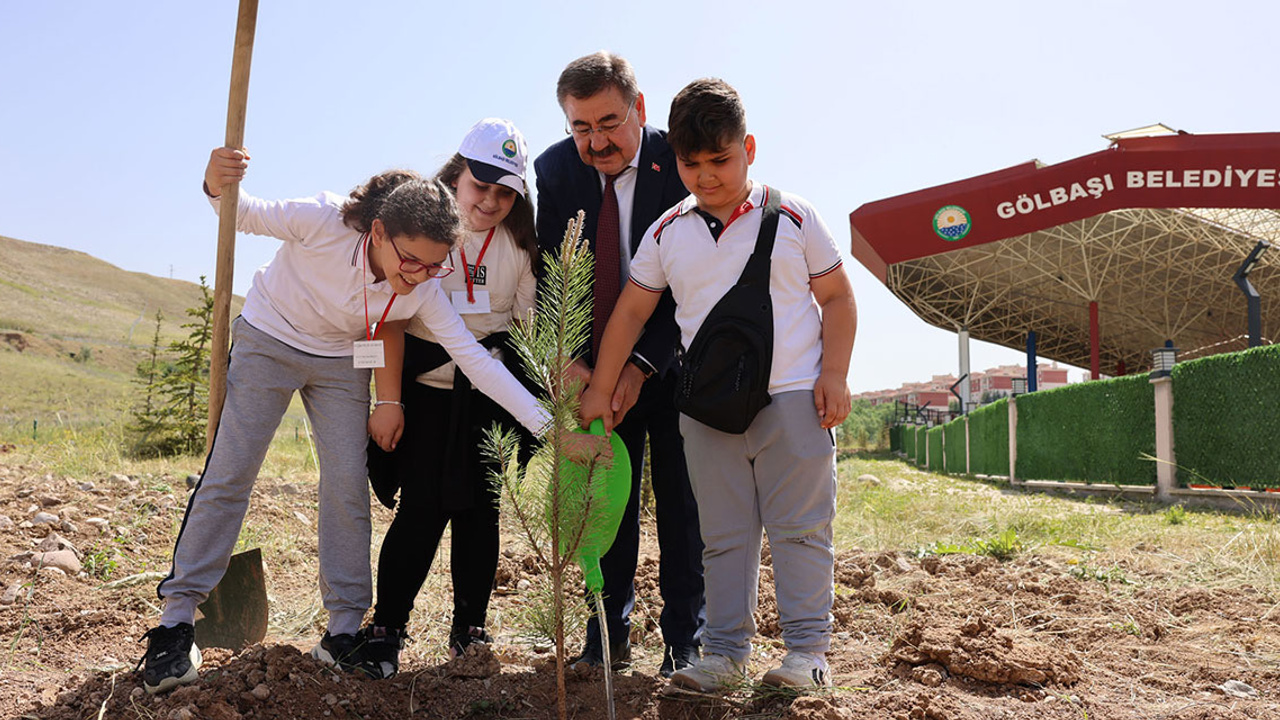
<point>623,174</point>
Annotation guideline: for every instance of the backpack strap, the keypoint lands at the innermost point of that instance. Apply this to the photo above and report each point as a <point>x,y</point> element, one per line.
<point>757,269</point>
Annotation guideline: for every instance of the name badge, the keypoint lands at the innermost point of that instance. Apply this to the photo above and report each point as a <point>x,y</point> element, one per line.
<point>368,354</point>
<point>466,307</point>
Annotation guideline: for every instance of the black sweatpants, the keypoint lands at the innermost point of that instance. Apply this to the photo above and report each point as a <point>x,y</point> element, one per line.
<point>437,489</point>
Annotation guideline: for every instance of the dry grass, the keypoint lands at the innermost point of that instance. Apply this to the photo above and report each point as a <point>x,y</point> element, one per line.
<point>918,511</point>
<point>55,305</point>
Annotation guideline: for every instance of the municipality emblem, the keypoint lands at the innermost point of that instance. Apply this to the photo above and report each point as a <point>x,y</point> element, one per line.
<point>952,223</point>
<point>509,148</point>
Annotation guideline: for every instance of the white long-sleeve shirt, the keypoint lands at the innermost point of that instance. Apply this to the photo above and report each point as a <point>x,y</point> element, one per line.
<point>506,274</point>
<point>312,295</point>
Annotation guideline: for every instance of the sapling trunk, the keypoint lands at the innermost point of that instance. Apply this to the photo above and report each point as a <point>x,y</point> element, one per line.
<point>567,513</point>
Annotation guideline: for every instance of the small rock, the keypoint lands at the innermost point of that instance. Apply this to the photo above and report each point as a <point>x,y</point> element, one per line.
<point>100,523</point>
<point>261,691</point>
<point>52,571</point>
<point>118,478</point>
<point>330,699</point>
<point>44,517</point>
<point>69,527</point>
<point>868,480</point>
<point>137,693</point>
<point>523,585</point>
<point>182,713</point>
<point>1237,689</point>
<point>70,512</point>
<point>24,492</point>
<point>192,481</point>
<point>11,593</point>
<point>6,523</point>
<point>930,675</point>
<point>301,518</point>
<point>49,500</point>
<point>85,486</point>
<point>64,560</point>
<point>54,542</point>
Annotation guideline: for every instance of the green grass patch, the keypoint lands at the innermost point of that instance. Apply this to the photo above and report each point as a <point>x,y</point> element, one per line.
<point>915,511</point>
<point>20,287</point>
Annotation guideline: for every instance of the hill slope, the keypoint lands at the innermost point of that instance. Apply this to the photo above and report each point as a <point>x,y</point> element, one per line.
<point>72,329</point>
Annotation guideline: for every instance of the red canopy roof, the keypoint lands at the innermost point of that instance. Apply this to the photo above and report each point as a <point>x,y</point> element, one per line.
<point>1175,171</point>
<point>1138,241</point>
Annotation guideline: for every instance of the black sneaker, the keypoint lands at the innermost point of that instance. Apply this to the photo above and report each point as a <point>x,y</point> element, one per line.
<point>345,651</point>
<point>382,646</point>
<point>172,657</point>
<point>462,638</point>
<point>678,657</point>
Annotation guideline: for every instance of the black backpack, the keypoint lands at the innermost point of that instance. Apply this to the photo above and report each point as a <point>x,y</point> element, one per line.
<point>725,372</point>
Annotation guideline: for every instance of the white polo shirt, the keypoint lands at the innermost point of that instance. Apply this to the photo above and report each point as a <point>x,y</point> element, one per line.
<point>312,295</point>
<point>680,251</point>
<point>505,274</point>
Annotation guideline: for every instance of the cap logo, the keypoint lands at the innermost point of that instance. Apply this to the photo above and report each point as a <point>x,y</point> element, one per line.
<point>952,223</point>
<point>509,148</point>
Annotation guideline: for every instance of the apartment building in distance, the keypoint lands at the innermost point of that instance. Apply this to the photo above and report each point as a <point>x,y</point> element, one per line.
<point>986,386</point>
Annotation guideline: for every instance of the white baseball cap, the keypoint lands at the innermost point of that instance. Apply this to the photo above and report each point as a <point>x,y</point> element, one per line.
<point>496,153</point>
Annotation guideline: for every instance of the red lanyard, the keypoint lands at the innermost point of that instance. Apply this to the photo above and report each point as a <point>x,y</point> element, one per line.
<point>466,269</point>
<point>365,289</point>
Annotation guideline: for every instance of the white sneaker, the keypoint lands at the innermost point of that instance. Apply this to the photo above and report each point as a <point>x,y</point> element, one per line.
<point>712,674</point>
<point>801,670</point>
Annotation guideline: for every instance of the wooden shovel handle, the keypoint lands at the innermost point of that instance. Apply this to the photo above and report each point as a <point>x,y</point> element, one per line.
<point>246,22</point>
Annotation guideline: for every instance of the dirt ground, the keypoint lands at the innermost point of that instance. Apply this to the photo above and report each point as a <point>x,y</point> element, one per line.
<point>952,637</point>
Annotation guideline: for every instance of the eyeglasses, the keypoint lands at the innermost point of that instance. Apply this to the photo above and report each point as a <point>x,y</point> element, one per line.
<point>411,266</point>
<point>584,130</point>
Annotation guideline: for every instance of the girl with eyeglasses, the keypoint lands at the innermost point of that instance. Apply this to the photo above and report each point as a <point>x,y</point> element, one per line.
<point>438,466</point>
<point>313,322</point>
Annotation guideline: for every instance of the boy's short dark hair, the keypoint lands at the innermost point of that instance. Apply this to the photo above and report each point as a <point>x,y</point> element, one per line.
<point>595,73</point>
<point>706,116</point>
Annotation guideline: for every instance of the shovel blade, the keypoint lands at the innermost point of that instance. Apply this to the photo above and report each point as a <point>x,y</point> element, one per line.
<point>235,613</point>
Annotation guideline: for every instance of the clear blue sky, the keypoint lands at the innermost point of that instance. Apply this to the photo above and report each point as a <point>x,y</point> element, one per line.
<point>108,110</point>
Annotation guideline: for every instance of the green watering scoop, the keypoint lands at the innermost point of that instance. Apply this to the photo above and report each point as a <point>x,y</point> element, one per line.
<point>605,504</point>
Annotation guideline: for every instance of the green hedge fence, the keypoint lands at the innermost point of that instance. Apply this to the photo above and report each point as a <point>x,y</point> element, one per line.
<point>934,436</point>
<point>954,450</point>
<point>1226,422</point>
<point>1101,431</point>
<point>989,439</point>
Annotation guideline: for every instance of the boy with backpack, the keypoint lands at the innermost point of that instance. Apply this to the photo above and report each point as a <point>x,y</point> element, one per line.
<point>760,458</point>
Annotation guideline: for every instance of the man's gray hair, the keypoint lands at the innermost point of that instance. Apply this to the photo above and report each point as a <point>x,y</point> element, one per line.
<point>595,73</point>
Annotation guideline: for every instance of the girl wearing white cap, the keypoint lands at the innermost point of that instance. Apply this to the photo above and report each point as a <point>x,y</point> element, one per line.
<point>438,464</point>
<point>308,326</point>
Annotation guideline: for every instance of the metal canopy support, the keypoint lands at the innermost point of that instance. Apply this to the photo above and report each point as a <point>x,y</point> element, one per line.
<point>1155,273</point>
<point>1031,361</point>
<point>1095,347</point>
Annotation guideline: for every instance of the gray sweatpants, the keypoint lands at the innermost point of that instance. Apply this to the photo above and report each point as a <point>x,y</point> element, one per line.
<point>261,378</point>
<point>778,476</point>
